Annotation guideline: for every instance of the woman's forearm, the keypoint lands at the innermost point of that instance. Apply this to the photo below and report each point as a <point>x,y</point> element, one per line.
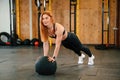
<point>56,51</point>
<point>45,48</point>
<point>57,48</point>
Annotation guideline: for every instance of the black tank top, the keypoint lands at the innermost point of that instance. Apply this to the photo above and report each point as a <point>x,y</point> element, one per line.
<point>54,35</point>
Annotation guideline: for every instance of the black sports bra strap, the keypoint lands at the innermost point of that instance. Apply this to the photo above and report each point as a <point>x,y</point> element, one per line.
<point>54,27</point>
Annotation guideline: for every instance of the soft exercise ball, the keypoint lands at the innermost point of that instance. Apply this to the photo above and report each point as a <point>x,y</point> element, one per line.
<point>45,67</point>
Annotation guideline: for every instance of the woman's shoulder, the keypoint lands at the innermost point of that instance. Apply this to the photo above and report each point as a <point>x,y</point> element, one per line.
<point>59,27</point>
<point>58,24</point>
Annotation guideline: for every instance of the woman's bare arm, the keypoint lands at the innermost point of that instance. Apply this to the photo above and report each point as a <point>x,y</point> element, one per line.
<point>58,40</point>
<point>45,48</point>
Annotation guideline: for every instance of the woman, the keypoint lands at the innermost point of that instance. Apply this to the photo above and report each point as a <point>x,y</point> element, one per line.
<point>48,28</point>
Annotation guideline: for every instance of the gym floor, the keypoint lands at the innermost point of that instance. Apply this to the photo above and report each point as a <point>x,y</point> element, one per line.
<point>17,63</point>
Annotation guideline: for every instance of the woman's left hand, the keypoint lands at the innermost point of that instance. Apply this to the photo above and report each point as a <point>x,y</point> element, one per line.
<point>51,59</point>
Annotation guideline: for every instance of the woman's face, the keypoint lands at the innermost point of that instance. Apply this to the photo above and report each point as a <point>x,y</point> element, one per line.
<point>46,20</point>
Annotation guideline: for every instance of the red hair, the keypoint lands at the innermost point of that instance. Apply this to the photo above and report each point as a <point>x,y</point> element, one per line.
<point>43,29</point>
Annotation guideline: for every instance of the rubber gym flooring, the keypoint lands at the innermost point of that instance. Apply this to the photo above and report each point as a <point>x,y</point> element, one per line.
<point>18,63</point>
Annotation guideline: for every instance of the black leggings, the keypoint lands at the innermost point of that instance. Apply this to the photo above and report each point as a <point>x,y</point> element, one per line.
<point>72,42</point>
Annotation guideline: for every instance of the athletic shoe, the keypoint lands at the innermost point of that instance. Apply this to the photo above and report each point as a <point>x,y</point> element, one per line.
<point>80,61</point>
<point>91,60</point>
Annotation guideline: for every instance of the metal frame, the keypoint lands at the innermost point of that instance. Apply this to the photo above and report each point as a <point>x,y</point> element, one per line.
<point>38,4</point>
<point>73,3</point>
<point>12,8</point>
<point>108,22</point>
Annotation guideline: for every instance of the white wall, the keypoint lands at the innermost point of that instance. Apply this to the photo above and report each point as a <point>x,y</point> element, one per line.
<point>4,16</point>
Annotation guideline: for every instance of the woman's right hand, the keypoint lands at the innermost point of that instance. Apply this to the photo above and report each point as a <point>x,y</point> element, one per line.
<point>51,59</point>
